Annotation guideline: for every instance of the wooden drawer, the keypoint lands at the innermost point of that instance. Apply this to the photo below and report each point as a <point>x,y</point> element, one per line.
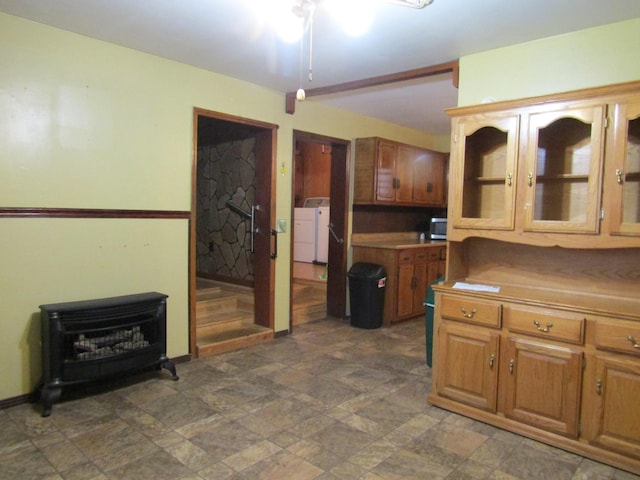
<point>618,335</point>
<point>471,310</point>
<point>434,253</point>
<point>550,324</point>
<point>422,255</point>
<point>405,256</point>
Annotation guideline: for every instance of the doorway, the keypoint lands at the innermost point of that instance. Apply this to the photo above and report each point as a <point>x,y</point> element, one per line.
<point>232,244</point>
<point>321,171</point>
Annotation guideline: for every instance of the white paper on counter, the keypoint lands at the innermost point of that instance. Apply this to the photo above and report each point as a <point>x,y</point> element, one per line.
<point>476,287</point>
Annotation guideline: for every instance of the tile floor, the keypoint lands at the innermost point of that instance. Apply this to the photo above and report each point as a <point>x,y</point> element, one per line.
<point>328,402</point>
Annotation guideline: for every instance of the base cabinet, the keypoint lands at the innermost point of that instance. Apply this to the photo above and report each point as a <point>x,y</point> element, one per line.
<point>615,388</point>
<point>410,271</point>
<point>469,371</point>
<point>567,377</point>
<point>542,385</point>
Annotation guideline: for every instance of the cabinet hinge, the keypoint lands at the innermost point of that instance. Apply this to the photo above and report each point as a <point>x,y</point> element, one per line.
<point>455,139</point>
<point>606,122</point>
<point>579,428</point>
<point>602,214</point>
<point>584,362</point>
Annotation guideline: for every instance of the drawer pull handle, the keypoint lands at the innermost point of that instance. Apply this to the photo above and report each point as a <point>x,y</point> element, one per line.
<point>468,315</point>
<point>492,359</point>
<point>512,362</point>
<point>530,179</point>
<point>541,328</point>
<point>633,342</point>
<point>599,386</point>
<point>509,179</point>
<point>619,176</point>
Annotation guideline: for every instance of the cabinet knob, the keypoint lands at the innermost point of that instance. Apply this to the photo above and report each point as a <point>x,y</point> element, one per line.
<point>492,359</point>
<point>512,363</point>
<point>468,315</point>
<point>599,386</point>
<point>541,328</point>
<point>633,342</point>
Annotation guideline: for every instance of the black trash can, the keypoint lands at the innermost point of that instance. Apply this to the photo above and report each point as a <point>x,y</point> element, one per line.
<point>429,303</point>
<point>367,283</point>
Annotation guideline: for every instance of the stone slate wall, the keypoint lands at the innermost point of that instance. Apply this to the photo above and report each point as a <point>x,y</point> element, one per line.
<point>225,172</point>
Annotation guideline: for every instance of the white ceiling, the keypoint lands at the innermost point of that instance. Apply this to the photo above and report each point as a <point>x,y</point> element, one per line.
<point>227,37</point>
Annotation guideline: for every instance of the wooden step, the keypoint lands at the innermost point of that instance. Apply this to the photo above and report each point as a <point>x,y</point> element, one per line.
<point>224,321</point>
<point>308,311</point>
<point>232,339</point>
<point>214,303</point>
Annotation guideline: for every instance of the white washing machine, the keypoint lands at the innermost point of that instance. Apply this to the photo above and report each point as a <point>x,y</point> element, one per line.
<point>311,234</point>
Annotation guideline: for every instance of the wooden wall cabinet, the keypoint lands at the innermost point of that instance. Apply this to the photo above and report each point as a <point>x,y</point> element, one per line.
<point>534,172</point>
<point>392,173</point>
<point>544,206</point>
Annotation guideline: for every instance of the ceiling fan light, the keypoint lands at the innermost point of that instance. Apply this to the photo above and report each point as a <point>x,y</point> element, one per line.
<point>411,3</point>
<point>354,16</point>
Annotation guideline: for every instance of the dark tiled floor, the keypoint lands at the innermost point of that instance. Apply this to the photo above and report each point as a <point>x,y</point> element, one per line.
<point>328,402</point>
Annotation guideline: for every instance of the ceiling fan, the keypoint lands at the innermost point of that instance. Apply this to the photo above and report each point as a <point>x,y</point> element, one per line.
<point>354,16</point>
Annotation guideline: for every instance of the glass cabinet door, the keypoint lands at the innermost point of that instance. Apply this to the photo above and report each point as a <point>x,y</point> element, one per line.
<point>624,170</point>
<point>484,165</point>
<point>563,169</point>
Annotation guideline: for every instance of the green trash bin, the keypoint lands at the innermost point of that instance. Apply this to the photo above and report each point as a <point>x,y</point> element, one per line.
<point>429,303</point>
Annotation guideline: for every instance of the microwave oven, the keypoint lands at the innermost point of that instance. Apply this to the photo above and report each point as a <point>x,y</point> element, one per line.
<point>438,228</point>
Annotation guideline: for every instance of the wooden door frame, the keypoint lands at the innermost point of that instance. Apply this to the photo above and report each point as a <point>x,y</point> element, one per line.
<point>337,270</point>
<point>265,149</point>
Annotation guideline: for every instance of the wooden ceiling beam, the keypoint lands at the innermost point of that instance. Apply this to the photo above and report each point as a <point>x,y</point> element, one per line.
<point>290,97</point>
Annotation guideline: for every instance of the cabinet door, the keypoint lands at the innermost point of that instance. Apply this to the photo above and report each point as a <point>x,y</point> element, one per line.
<point>483,166</point>
<point>468,365</point>
<point>386,171</point>
<point>404,174</point>
<point>421,280</point>
<point>615,390</point>
<point>622,170</point>
<point>563,170</point>
<point>429,178</point>
<point>405,284</point>
<point>542,385</point>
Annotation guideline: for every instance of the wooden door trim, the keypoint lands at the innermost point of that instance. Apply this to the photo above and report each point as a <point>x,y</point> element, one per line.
<point>266,127</point>
<point>300,136</point>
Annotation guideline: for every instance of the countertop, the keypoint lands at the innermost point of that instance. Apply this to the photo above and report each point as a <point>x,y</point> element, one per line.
<point>393,241</point>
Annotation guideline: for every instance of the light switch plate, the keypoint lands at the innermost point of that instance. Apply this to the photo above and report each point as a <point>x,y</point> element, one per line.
<point>281,225</point>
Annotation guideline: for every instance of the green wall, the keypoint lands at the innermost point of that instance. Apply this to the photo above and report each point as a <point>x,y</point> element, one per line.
<point>587,58</point>
<point>87,124</point>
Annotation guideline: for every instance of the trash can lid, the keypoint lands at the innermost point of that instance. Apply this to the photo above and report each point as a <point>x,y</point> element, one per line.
<point>366,270</point>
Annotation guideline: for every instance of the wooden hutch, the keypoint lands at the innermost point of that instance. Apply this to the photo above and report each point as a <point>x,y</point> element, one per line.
<point>537,326</point>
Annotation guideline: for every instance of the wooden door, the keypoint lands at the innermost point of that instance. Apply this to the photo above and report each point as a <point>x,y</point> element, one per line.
<point>337,266</point>
<point>562,175</point>
<point>614,421</point>
<point>542,385</point>
<point>421,280</point>
<point>622,170</point>
<point>429,178</point>
<point>484,165</point>
<point>386,171</point>
<point>265,241</point>
<point>468,365</point>
<point>404,176</point>
<point>405,285</point>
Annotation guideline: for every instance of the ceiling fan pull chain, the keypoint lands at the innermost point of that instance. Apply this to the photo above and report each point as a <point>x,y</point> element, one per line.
<point>311,46</point>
